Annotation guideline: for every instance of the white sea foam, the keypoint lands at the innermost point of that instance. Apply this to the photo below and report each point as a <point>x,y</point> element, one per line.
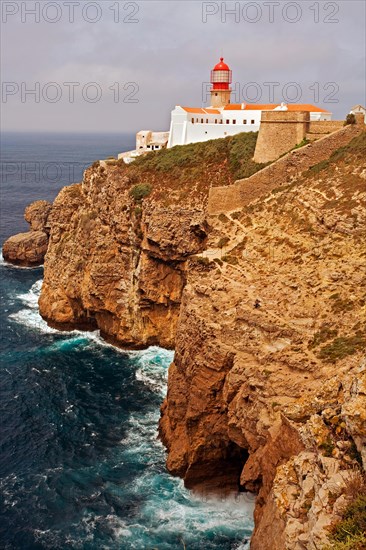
<point>4,263</point>
<point>150,360</point>
<point>169,508</point>
<point>31,319</point>
<point>30,316</point>
<point>152,369</point>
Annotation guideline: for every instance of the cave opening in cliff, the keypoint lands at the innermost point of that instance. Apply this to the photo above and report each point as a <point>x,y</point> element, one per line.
<point>221,476</point>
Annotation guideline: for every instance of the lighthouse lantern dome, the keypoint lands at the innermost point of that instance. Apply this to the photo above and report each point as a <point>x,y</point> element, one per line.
<point>221,76</point>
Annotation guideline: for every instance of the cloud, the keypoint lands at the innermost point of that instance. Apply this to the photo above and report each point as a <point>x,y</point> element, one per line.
<point>169,53</point>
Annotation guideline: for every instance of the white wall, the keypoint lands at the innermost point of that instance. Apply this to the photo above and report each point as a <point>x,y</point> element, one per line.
<point>204,132</point>
<point>320,116</point>
<point>183,130</point>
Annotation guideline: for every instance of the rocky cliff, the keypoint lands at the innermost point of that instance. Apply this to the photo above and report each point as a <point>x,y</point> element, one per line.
<point>120,240</point>
<point>265,307</point>
<point>29,249</point>
<point>275,313</point>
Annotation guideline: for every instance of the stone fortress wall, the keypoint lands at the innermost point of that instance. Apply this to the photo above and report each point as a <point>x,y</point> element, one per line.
<point>285,169</point>
<point>320,128</point>
<point>280,131</point>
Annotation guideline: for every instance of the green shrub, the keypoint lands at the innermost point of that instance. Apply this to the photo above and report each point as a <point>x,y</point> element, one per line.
<point>302,143</point>
<point>201,260</point>
<point>324,334</point>
<point>350,532</point>
<point>342,347</point>
<point>327,446</point>
<point>322,165</point>
<point>350,119</point>
<point>140,191</point>
<point>223,218</point>
<point>186,160</point>
<point>340,304</point>
<point>236,215</point>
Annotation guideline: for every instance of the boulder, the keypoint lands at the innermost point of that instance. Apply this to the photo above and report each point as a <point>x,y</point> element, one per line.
<point>26,249</point>
<point>36,214</point>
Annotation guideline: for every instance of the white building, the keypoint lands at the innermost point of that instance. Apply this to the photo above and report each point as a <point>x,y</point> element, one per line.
<point>220,119</point>
<point>190,125</point>
<point>357,109</point>
<point>146,141</point>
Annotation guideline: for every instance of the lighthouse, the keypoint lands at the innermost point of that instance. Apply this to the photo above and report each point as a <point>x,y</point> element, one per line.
<point>221,78</point>
<point>220,120</point>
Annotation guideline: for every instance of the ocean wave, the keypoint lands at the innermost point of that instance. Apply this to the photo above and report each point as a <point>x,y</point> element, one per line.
<point>152,369</point>
<point>32,319</point>
<point>4,263</point>
<point>150,360</point>
<point>169,515</point>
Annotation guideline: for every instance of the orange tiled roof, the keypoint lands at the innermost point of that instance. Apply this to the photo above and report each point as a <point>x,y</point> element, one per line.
<point>271,106</point>
<point>201,111</point>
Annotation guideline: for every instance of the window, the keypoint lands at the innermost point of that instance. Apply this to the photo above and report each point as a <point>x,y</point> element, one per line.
<point>245,121</point>
<point>192,120</point>
<point>148,146</point>
<point>252,121</point>
<point>234,121</point>
<point>196,119</point>
<point>227,121</point>
<point>216,94</point>
<point>215,120</point>
<point>221,121</point>
<point>201,120</point>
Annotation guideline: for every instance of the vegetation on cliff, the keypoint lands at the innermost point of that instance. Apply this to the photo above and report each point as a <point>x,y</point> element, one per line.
<point>188,171</point>
<point>350,532</point>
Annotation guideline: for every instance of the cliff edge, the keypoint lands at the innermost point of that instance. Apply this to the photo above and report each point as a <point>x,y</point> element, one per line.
<point>270,352</point>
<point>264,306</point>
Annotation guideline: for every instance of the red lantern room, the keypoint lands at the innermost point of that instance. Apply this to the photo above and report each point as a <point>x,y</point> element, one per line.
<point>221,78</point>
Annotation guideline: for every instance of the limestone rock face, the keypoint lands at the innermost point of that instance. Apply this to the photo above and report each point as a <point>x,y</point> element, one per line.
<point>116,264</point>
<point>36,214</point>
<point>269,356</point>
<point>26,249</point>
<point>29,249</point>
<point>265,308</point>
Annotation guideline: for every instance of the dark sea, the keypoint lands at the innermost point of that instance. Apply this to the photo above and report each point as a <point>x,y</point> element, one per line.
<point>81,465</point>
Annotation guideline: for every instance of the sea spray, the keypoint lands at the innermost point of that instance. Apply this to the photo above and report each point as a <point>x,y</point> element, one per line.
<point>82,465</point>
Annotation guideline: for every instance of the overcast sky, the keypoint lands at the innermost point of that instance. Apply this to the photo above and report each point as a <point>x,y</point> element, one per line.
<point>158,54</point>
